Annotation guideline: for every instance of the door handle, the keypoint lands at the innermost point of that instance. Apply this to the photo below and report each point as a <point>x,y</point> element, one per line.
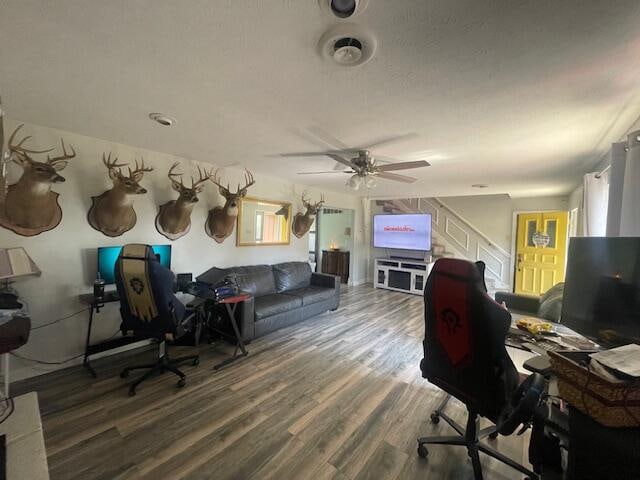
<point>519,257</point>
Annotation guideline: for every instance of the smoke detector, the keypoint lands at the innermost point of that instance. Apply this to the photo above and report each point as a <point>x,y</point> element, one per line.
<point>343,8</point>
<point>347,45</point>
<point>162,119</point>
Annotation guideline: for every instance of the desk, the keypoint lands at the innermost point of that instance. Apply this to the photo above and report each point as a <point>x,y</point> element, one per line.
<point>92,349</point>
<point>26,455</point>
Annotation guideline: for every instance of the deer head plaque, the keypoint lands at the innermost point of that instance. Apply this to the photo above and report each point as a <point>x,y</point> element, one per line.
<point>221,220</point>
<point>112,212</point>
<point>302,221</point>
<point>174,218</point>
<point>29,207</point>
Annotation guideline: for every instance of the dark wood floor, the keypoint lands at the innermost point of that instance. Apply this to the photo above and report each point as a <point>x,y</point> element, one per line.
<point>338,396</point>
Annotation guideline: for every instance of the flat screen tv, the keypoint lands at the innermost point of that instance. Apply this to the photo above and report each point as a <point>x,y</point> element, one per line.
<point>107,257</point>
<point>602,289</point>
<point>402,232</point>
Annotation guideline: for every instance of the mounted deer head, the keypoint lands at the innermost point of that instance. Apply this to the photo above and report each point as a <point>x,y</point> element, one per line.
<point>112,212</point>
<point>221,220</point>
<point>29,206</point>
<point>174,218</point>
<point>302,221</point>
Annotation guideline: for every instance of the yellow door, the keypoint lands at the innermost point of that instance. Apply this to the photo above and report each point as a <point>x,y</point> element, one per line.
<point>538,266</point>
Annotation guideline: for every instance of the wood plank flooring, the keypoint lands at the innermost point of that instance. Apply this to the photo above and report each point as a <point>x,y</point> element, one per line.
<point>338,396</point>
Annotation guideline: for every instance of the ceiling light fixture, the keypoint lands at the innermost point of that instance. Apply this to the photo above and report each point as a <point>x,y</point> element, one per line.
<point>162,119</point>
<point>347,51</point>
<point>354,182</point>
<point>343,8</point>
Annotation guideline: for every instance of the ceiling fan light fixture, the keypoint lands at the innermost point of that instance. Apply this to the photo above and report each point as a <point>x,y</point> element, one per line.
<point>370,181</point>
<point>354,182</point>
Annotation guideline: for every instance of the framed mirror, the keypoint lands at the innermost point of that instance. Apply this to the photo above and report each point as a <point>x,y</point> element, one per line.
<point>263,222</point>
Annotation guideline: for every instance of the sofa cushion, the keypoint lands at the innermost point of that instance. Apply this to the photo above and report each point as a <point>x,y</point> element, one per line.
<point>312,294</point>
<point>551,303</point>
<point>291,275</point>
<point>257,280</point>
<point>272,304</point>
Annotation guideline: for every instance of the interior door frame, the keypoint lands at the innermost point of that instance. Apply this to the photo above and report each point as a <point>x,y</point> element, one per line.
<point>514,240</point>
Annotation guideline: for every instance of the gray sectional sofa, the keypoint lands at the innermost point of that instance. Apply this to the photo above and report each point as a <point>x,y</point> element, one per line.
<point>283,294</point>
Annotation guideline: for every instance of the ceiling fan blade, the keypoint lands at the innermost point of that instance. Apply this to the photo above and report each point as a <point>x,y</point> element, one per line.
<point>341,161</point>
<point>326,138</point>
<point>389,140</point>
<point>328,171</point>
<point>396,177</point>
<point>402,166</point>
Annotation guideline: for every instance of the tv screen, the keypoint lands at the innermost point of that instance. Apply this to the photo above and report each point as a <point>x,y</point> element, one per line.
<point>601,297</point>
<point>404,232</point>
<point>107,257</point>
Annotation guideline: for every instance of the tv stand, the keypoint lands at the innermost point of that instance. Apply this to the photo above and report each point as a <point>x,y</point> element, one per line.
<point>407,275</point>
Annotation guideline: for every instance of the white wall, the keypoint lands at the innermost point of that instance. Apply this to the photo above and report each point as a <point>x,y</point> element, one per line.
<point>493,214</point>
<point>66,255</point>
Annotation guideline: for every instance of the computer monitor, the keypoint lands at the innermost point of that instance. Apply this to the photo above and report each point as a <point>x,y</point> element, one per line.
<point>602,289</point>
<point>107,257</point>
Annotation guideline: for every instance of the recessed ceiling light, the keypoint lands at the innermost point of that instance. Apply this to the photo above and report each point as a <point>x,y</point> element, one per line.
<point>162,119</point>
<point>480,185</point>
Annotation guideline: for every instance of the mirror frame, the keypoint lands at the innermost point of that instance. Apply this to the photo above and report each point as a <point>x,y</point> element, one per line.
<point>283,203</point>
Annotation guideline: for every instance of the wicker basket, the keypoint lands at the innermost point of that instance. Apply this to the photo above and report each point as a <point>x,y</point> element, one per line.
<point>611,403</point>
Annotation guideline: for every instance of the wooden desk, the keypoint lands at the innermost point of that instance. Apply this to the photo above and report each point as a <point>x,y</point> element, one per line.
<point>26,455</point>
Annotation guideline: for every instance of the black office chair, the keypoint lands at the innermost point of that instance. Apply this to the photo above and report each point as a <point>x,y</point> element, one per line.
<point>465,355</point>
<point>150,309</point>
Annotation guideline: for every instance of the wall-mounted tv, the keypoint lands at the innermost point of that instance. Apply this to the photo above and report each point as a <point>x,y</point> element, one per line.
<point>107,257</point>
<point>403,232</point>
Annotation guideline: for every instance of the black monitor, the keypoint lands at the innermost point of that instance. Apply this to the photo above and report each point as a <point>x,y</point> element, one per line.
<point>107,257</point>
<point>602,289</point>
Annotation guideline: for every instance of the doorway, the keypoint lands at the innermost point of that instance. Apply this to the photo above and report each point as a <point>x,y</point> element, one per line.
<point>541,251</point>
<point>334,233</point>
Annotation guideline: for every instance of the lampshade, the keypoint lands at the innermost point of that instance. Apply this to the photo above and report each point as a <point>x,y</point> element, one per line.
<point>370,181</point>
<point>354,182</point>
<point>15,263</point>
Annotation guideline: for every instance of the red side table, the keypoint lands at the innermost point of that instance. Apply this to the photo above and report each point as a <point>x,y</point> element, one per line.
<point>231,305</point>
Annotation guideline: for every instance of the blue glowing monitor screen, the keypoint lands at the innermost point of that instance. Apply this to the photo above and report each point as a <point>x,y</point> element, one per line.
<point>107,257</point>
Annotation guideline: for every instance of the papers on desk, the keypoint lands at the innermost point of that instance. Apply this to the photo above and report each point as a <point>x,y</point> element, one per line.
<point>625,359</point>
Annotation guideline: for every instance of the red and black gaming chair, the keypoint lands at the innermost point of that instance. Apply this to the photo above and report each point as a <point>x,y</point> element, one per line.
<point>465,355</point>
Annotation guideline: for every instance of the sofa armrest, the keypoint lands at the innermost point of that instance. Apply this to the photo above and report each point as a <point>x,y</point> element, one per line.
<point>246,320</point>
<point>325,280</point>
<point>522,303</point>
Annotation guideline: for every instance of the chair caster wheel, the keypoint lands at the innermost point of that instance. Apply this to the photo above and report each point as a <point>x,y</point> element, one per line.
<point>181,383</point>
<point>422,451</point>
<point>493,436</point>
<point>124,374</point>
<point>435,418</point>
<point>196,362</point>
<point>132,393</point>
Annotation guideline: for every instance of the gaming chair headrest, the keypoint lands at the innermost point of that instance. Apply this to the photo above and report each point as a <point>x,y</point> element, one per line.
<point>457,267</point>
<point>137,251</point>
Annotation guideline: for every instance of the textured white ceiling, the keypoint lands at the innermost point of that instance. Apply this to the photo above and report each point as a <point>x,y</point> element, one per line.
<point>522,95</point>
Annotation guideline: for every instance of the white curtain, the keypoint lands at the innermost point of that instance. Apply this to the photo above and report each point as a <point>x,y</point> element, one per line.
<point>595,204</point>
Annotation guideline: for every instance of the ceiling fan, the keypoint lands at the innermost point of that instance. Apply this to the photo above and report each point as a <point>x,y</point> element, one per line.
<point>364,168</point>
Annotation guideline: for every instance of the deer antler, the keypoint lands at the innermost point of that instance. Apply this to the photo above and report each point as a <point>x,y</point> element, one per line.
<point>112,165</point>
<point>65,155</point>
<point>18,149</point>
<point>248,180</point>
<point>215,179</point>
<point>204,176</point>
<point>305,201</point>
<point>171,175</point>
<point>321,202</point>
<point>139,170</point>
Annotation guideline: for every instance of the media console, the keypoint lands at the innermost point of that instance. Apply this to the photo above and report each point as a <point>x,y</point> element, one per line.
<point>401,274</point>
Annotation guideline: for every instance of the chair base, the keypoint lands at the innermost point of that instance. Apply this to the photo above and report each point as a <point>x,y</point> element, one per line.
<point>469,437</point>
<point>163,364</point>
